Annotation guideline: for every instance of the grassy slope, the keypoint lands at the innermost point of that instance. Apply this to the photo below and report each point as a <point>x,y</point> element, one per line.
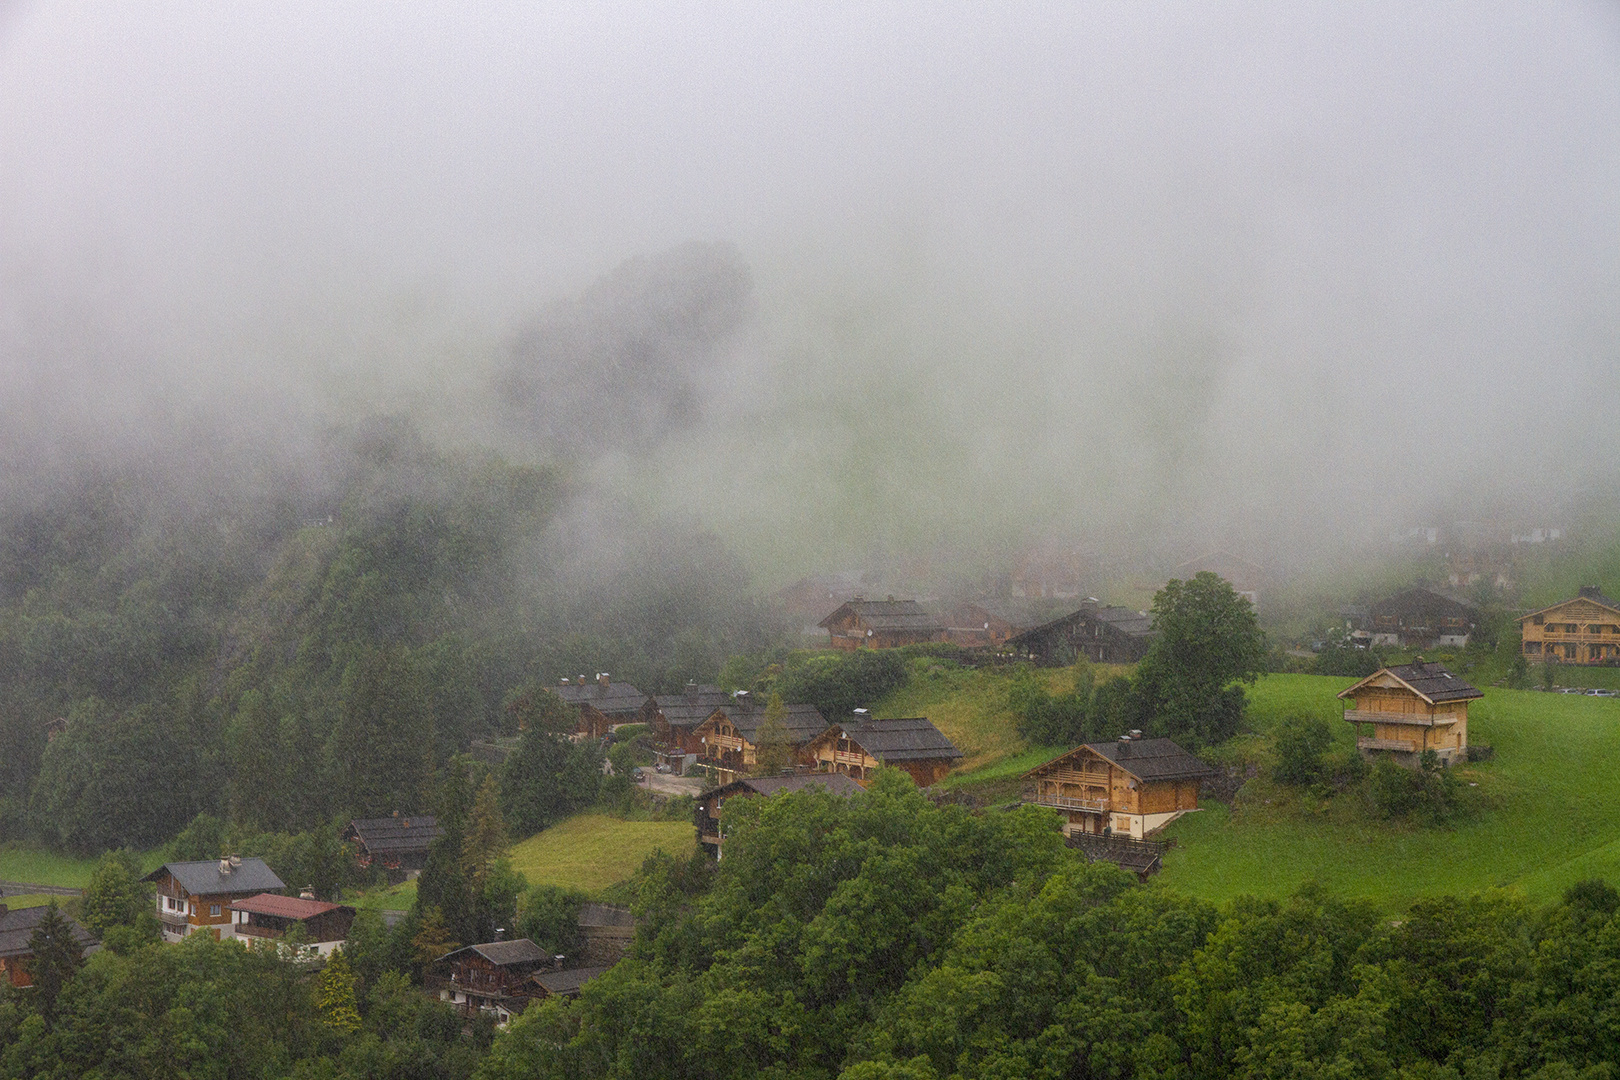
<point>591,851</point>
<point>19,863</point>
<point>1549,817</point>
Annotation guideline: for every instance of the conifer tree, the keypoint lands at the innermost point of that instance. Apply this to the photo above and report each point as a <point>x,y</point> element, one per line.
<point>774,750</point>
<point>335,1001</point>
<point>433,940</point>
<point>486,835</point>
<point>55,960</point>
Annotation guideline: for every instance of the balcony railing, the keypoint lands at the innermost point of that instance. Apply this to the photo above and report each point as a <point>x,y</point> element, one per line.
<point>1405,746</point>
<point>1065,802</point>
<point>1368,716</point>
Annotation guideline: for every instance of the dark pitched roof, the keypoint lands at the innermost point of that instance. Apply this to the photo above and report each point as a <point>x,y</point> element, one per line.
<point>286,907</point>
<point>503,953</point>
<point>610,699</point>
<point>407,832</point>
<point>691,708</point>
<point>567,982</point>
<point>1151,759</point>
<point>205,878</point>
<point>888,615</point>
<point>1586,594</point>
<point>803,722</point>
<point>1125,620</point>
<point>1430,680</point>
<point>910,738</point>
<point>1424,599</point>
<point>837,783</point>
<point>17,926</point>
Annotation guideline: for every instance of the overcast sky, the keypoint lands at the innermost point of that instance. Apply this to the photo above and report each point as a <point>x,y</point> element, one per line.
<point>1203,266</point>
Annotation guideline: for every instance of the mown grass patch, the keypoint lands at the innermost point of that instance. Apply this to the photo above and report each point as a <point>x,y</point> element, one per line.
<point>1544,812</point>
<point>36,866</point>
<point>13,903</point>
<point>593,850</point>
<point>401,897</point>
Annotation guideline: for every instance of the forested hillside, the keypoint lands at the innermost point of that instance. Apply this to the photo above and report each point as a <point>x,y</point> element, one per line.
<point>284,650</point>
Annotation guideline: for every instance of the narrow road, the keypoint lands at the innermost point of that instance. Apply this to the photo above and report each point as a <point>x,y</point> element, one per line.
<point>25,888</point>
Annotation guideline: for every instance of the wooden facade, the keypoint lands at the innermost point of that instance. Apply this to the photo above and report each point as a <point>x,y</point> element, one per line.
<point>493,978</point>
<point>1129,788</point>
<point>399,843</point>
<point>17,926</point>
<point>270,917</point>
<point>1101,634</point>
<point>676,718</point>
<point>985,624</point>
<point>729,740</point>
<point>1417,618</point>
<point>1405,710</point>
<point>881,624</point>
<point>604,704</point>
<point>707,815</point>
<point>196,897</point>
<point>861,747</point>
<point>1583,630</point>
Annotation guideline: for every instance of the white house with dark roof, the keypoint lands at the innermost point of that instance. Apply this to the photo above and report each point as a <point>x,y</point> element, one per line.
<point>197,896</point>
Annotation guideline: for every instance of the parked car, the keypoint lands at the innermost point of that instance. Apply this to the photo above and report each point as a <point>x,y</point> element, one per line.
<point>1602,693</point>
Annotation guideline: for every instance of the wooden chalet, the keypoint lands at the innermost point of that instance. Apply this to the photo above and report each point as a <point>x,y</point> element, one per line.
<point>17,928</point>
<point>493,978</point>
<point>1418,618</point>
<point>1127,788</point>
<point>986,623</point>
<point>1101,634</point>
<point>729,740</point>
<point>196,897</point>
<point>676,718</point>
<point>1583,630</point>
<point>710,830</point>
<point>859,747</point>
<point>804,600</point>
<point>881,624</point>
<point>269,917</point>
<point>1411,708</point>
<point>1054,572</point>
<point>399,844</point>
<point>604,704</point>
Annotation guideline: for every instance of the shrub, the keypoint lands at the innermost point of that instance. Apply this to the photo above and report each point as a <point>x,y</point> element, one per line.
<point>1300,742</point>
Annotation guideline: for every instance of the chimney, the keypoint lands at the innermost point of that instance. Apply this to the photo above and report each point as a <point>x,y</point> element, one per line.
<point>862,714</point>
<point>1591,592</point>
<point>236,860</point>
<point>1136,733</point>
<point>1417,664</point>
<point>602,679</point>
<point>565,682</point>
<point>741,698</point>
<point>307,893</point>
<point>224,864</point>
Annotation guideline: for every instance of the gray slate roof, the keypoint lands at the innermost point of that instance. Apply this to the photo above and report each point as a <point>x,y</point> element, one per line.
<point>1126,620</point>
<point>205,879</point>
<point>1153,759</point>
<point>565,983</point>
<point>691,708</point>
<point>594,914</point>
<point>1434,682</point>
<point>407,832</point>
<point>889,615</point>
<point>803,722</point>
<point>503,953</point>
<point>910,738</point>
<point>17,927</point>
<point>610,699</point>
<point>837,783</point>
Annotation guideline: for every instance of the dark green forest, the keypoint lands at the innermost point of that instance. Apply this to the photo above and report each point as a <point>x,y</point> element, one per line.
<point>282,651</point>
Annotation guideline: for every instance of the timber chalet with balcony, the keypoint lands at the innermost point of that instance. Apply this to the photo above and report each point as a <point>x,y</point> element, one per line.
<point>501,978</point>
<point>604,704</point>
<point>398,844</point>
<point>1411,708</point>
<point>320,927</point>
<point>731,738</point>
<point>675,720</point>
<point>859,747</point>
<point>881,624</point>
<point>1128,788</point>
<point>196,897</point>
<point>711,833</point>
<point>1583,630</point>
<point>1101,634</point>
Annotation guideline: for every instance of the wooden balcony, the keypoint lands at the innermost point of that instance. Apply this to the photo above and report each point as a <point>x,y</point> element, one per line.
<point>1405,746</point>
<point>173,920</point>
<point>1066,802</point>
<point>1369,716</point>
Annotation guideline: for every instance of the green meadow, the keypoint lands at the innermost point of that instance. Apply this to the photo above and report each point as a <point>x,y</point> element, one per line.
<point>591,851</point>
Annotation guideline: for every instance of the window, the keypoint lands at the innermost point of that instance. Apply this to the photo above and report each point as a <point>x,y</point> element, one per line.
<point>1532,647</point>
<point>1569,628</point>
<point>213,910</point>
<point>1536,619</point>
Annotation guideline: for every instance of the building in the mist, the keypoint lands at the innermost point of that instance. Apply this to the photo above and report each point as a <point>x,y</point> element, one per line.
<point>711,833</point>
<point>1130,787</point>
<point>1099,633</point>
<point>987,623</point>
<point>1417,618</point>
<point>1402,711</point>
<point>807,599</point>
<point>604,704</point>
<point>731,739</point>
<point>1053,572</point>
<point>1248,579</point>
<point>1582,630</point>
<point>675,720</point>
<point>881,624</point>
<point>398,843</point>
<point>861,746</point>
